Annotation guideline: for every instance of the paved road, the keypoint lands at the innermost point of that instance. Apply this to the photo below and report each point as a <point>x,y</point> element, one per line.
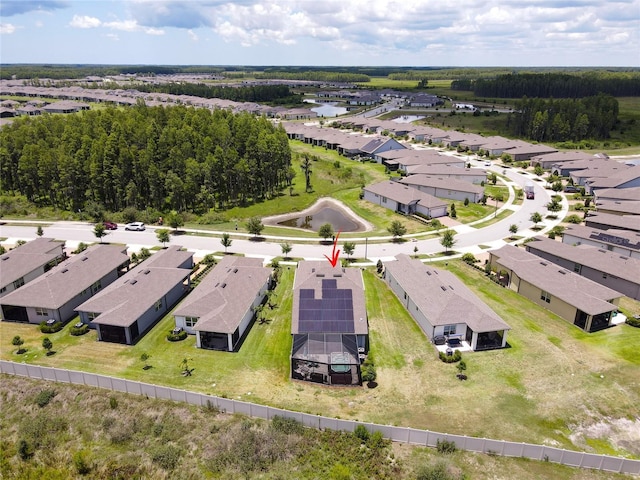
<point>467,237</point>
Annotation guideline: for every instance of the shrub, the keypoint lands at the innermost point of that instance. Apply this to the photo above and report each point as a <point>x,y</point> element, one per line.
<point>166,456</point>
<point>53,328</point>
<point>438,471</point>
<point>44,397</point>
<point>176,337</point>
<point>456,357</point>
<point>81,248</point>
<point>469,258</point>
<point>81,463</point>
<point>575,219</point>
<point>25,451</point>
<point>369,373</point>
<point>77,331</point>
<point>113,403</point>
<point>446,446</point>
<point>634,322</point>
<point>285,425</point>
<point>361,432</point>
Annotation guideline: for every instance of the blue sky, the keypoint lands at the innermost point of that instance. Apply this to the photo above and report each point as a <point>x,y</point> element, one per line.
<point>322,32</point>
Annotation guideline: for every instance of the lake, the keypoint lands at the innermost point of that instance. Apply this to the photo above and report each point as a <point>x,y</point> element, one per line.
<point>327,109</point>
<point>314,221</point>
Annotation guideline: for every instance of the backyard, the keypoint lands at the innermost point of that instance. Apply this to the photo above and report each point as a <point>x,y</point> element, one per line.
<point>518,393</point>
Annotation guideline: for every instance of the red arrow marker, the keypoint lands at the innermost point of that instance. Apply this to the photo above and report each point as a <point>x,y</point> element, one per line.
<point>335,254</point>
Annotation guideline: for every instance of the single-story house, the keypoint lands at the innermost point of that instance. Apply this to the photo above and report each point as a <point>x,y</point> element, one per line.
<point>401,160</point>
<point>442,305</point>
<point>620,194</point>
<point>472,175</point>
<point>617,207</point>
<point>28,261</point>
<point>605,221</point>
<point>404,199</point>
<point>499,145</point>
<point>622,242</point>
<point>564,169</point>
<point>56,294</point>
<point>329,324</point>
<point>525,152</point>
<point>454,138</point>
<point>128,308</point>
<point>445,187</point>
<point>548,160</point>
<point>617,272</point>
<point>221,308</point>
<point>626,178</point>
<point>65,106</point>
<point>582,302</point>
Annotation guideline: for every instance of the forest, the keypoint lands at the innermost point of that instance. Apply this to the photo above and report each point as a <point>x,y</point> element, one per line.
<point>564,119</point>
<point>167,158</point>
<point>255,93</point>
<point>556,85</point>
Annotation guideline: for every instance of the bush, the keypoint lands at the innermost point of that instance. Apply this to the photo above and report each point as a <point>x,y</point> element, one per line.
<point>445,446</point>
<point>285,425</point>
<point>456,357</point>
<point>176,337</point>
<point>25,451</point>
<point>361,432</point>
<point>44,397</point>
<point>575,219</point>
<point>369,373</point>
<point>113,403</point>
<point>469,258</point>
<point>634,322</point>
<point>438,471</point>
<point>53,328</point>
<point>81,463</point>
<point>166,456</point>
<point>77,331</point>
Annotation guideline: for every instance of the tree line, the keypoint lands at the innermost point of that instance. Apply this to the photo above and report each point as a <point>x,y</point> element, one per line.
<point>253,93</point>
<point>564,119</point>
<point>167,158</point>
<point>318,76</point>
<point>556,85</point>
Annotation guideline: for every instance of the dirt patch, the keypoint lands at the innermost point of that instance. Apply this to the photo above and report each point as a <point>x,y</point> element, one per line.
<point>621,433</point>
<point>363,225</point>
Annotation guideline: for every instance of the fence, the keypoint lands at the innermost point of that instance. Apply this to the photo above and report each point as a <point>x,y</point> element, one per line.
<point>397,434</point>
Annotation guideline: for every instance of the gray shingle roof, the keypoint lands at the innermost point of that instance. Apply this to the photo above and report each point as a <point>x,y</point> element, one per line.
<point>403,193</point>
<point>613,236</point>
<point>58,286</point>
<point>26,258</point>
<point>441,297</point>
<point>625,194</point>
<point>582,293</point>
<point>605,261</point>
<point>226,293</point>
<point>434,181</point>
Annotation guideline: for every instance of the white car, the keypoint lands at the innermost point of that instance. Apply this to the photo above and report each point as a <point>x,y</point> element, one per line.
<point>137,226</point>
<point>487,163</point>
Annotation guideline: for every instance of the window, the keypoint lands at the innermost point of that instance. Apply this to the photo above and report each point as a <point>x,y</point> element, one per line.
<point>190,321</point>
<point>158,305</point>
<point>3,289</point>
<point>604,275</point>
<point>42,312</point>
<point>449,329</point>
<point>610,247</point>
<point>96,286</point>
<point>18,283</point>
<point>384,199</point>
<point>577,267</point>
<point>91,316</point>
<point>545,296</point>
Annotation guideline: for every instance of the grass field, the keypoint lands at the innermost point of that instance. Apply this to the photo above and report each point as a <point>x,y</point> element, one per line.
<point>519,393</point>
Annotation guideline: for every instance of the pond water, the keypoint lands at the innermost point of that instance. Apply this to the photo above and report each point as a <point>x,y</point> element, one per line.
<point>327,109</point>
<point>338,220</point>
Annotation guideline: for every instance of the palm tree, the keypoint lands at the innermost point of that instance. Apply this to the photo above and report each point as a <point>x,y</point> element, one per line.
<point>306,168</point>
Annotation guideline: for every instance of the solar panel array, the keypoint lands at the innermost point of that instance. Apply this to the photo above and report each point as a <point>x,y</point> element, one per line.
<point>333,313</point>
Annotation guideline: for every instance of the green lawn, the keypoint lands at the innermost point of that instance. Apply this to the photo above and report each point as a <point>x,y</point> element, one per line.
<point>518,393</point>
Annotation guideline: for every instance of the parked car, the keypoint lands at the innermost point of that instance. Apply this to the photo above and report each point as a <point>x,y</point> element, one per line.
<point>110,225</point>
<point>571,189</point>
<point>136,226</point>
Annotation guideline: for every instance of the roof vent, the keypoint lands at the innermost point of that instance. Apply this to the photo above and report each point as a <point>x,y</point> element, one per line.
<point>65,270</point>
<point>428,273</point>
<point>84,259</point>
<point>562,272</point>
<point>223,285</point>
<point>543,264</point>
<point>235,270</point>
<point>5,258</point>
<point>444,289</point>
<point>133,282</point>
<point>337,275</point>
<point>320,275</point>
<point>147,271</point>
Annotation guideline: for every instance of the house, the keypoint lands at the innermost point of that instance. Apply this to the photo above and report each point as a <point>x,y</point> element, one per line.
<point>329,324</point>
<point>605,221</point>
<point>564,169</point>
<point>587,176</point>
<point>499,145</point>
<point>445,187</point>
<point>424,100</point>
<point>620,194</point>
<point>57,293</point>
<point>610,269</point>
<point>401,160</point>
<point>221,308</point>
<point>65,106</point>
<point>580,301</point>
<point>28,261</point>
<point>472,175</point>
<point>616,207</point>
<point>615,240</point>
<point>404,199</point>
<point>442,305</point>
<point>454,139</point>
<point>128,308</point>
<point>626,178</point>
<point>525,152</point>
<point>547,160</point>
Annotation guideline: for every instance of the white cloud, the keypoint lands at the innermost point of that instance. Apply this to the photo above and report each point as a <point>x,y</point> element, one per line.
<point>112,36</point>
<point>192,35</point>
<point>132,26</point>
<point>84,21</point>
<point>7,28</point>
